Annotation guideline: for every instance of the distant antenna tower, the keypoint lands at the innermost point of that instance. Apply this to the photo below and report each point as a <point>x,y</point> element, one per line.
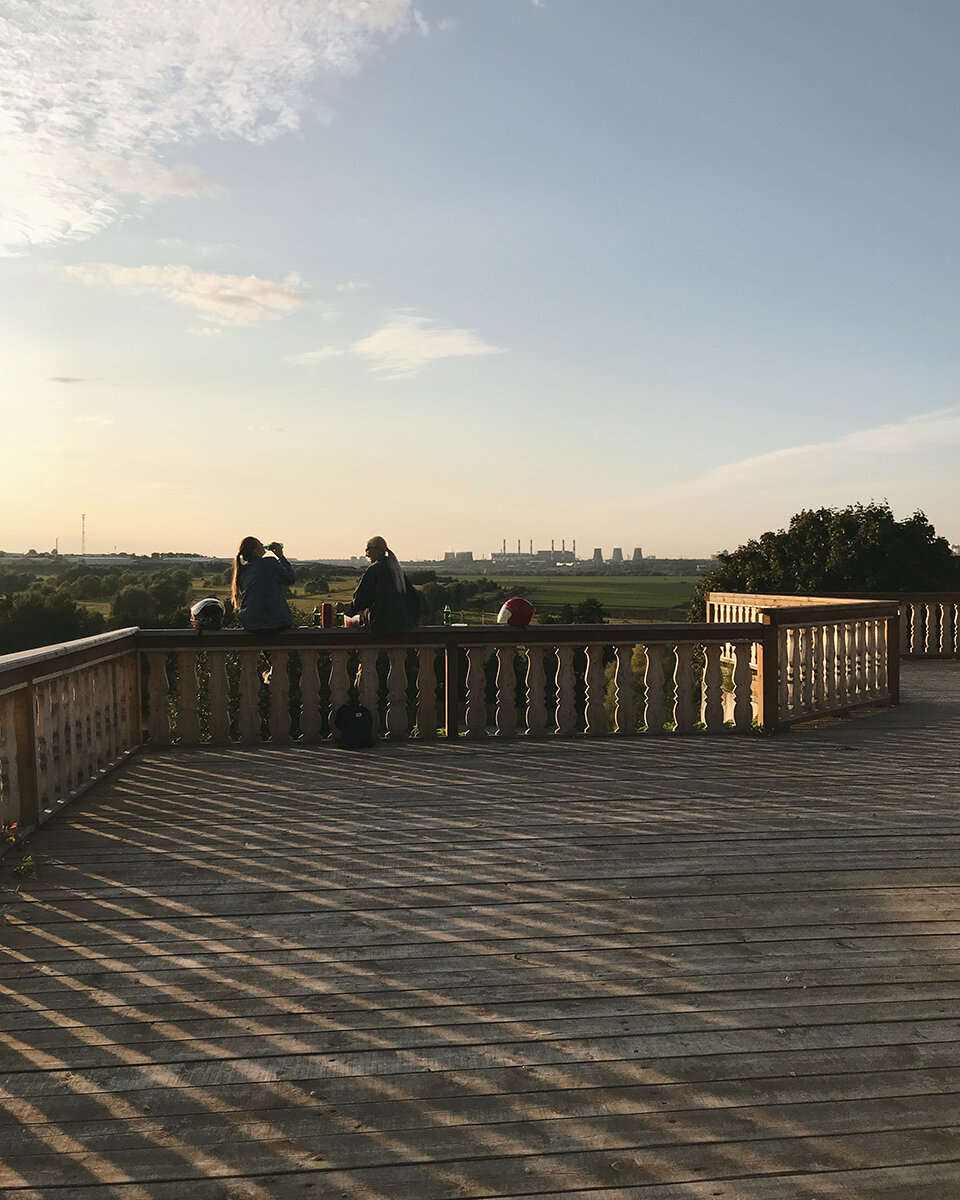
<point>83,535</point>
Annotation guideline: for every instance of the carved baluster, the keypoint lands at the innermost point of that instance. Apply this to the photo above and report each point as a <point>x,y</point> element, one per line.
<point>426,693</point>
<point>476,715</point>
<point>595,713</point>
<point>951,628</point>
<point>783,671</point>
<point>843,663</point>
<point>369,686</point>
<point>397,719</point>
<point>946,629</point>
<point>796,681</point>
<point>817,684</point>
<point>863,673</point>
<point>871,688</point>
<point>41,741</point>
<point>279,692</point>
<point>158,718</point>
<point>830,666</point>
<point>566,698</point>
<point>309,695</point>
<point>809,637</point>
<point>506,693</point>
<point>626,702</point>
<point>883,683</point>
<point>536,692</point>
<point>249,695</point>
<point>55,718</point>
<point>9,779</point>
<point>654,714</point>
<point>217,692</point>
<point>742,687</point>
<point>916,627</point>
<point>188,711</point>
<point>340,685</point>
<point>711,711</point>
<point>685,714</point>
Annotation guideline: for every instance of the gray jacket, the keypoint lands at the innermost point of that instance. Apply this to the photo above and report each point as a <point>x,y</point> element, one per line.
<point>262,602</point>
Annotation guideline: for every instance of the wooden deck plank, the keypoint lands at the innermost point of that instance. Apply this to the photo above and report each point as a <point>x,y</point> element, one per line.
<point>545,970</point>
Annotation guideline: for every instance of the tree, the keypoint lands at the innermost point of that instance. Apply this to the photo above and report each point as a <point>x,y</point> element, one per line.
<point>861,548</point>
<point>134,605</point>
<point>37,618</point>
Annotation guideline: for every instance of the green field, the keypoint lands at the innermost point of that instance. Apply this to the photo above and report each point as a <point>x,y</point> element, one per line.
<point>622,595</point>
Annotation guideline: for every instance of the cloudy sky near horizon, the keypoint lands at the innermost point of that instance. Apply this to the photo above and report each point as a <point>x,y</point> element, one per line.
<point>649,273</point>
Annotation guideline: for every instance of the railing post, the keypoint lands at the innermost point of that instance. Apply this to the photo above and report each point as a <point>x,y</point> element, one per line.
<point>893,658</point>
<point>451,689</point>
<point>768,670</point>
<point>25,737</point>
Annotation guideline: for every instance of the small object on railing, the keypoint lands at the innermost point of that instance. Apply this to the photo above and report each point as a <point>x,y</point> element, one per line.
<point>326,615</point>
<point>447,615</point>
<point>317,616</point>
<point>207,613</point>
<point>516,611</point>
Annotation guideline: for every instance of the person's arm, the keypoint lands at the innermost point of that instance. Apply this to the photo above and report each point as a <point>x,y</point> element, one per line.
<point>284,570</point>
<point>364,596</point>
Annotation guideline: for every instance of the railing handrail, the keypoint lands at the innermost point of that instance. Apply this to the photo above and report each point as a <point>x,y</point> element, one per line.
<point>22,666</point>
<point>307,636</point>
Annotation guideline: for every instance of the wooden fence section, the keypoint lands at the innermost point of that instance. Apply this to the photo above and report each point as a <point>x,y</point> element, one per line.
<point>832,654</point>
<point>68,713</point>
<point>476,682</point>
<point>929,621</point>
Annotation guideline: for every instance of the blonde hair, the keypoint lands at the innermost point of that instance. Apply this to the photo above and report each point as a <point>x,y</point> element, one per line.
<point>381,550</point>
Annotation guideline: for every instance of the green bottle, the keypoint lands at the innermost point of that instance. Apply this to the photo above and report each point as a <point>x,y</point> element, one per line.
<point>447,615</point>
<point>317,617</point>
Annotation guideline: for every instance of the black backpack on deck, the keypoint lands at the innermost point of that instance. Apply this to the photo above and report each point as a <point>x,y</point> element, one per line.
<point>355,725</point>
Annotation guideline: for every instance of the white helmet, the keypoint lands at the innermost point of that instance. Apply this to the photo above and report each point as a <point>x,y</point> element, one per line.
<point>207,613</point>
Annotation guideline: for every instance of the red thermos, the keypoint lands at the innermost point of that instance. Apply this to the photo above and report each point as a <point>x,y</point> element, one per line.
<point>326,615</point>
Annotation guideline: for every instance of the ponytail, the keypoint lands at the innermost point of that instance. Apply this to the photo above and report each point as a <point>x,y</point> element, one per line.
<point>247,546</point>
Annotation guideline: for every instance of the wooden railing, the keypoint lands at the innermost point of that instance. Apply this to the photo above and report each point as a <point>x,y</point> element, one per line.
<point>476,682</point>
<point>68,713</point>
<point>929,621</point>
<point>831,654</point>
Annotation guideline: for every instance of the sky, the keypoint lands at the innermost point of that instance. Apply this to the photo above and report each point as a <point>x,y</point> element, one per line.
<point>654,273</point>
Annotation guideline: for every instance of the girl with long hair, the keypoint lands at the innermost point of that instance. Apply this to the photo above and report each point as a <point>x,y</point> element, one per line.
<point>257,589</point>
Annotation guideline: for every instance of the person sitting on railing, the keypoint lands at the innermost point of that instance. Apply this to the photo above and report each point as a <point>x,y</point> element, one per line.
<point>385,600</point>
<point>258,583</point>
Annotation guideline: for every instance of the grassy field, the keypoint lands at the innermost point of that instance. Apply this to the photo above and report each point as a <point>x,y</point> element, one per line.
<point>624,597</point>
<point>621,594</point>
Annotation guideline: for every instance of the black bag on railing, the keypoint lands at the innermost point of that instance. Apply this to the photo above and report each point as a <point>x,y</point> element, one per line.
<point>355,725</point>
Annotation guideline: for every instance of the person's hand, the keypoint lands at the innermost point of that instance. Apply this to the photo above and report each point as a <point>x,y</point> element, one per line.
<point>276,547</point>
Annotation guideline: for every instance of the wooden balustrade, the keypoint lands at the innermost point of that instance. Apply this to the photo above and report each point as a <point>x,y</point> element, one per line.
<point>68,714</point>
<point>929,621</point>
<point>477,682</point>
<point>821,655</point>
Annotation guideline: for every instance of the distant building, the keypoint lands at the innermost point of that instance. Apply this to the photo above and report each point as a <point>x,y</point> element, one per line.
<point>617,556</point>
<point>598,557</point>
<point>637,554</point>
<point>458,556</point>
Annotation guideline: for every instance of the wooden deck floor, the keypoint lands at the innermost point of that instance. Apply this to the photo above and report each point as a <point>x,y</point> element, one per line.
<point>666,969</point>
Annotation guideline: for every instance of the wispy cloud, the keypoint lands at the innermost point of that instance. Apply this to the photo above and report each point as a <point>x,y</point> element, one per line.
<point>846,453</point>
<point>404,344</point>
<point>228,299</point>
<point>66,379</point>
<point>100,98</point>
